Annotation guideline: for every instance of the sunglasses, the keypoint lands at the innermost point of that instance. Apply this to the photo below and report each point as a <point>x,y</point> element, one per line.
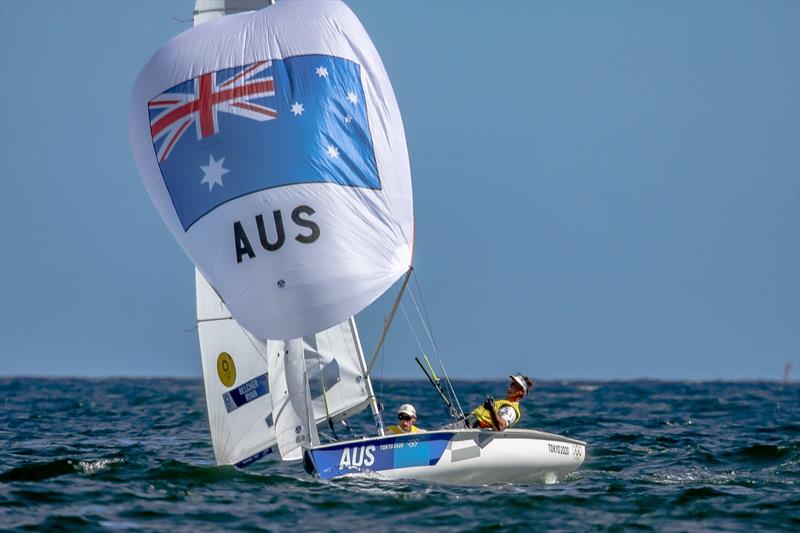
<point>403,417</point>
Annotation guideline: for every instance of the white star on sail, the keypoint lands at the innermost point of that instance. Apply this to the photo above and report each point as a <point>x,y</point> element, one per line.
<point>332,151</point>
<point>213,172</point>
<point>348,119</point>
<point>352,97</point>
<point>322,72</point>
<point>297,108</point>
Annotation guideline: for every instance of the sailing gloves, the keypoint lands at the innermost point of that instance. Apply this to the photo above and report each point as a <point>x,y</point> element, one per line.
<point>489,403</point>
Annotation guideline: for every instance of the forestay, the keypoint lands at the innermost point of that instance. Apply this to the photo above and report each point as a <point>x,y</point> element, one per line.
<point>272,147</point>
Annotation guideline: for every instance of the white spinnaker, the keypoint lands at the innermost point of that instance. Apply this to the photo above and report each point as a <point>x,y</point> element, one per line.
<point>365,235</point>
<point>237,432</point>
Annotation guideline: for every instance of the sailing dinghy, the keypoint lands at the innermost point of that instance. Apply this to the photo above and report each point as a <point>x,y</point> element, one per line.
<point>272,146</point>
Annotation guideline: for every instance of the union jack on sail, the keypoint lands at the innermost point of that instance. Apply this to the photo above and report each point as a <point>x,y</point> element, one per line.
<point>200,99</point>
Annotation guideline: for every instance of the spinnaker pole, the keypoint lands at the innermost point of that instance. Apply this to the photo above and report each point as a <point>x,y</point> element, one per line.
<point>389,320</point>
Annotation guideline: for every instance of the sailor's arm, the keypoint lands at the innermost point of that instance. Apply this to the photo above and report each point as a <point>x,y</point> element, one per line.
<point>498,422</point>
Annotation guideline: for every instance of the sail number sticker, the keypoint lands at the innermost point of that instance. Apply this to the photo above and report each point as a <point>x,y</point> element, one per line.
<point>246,393</point>
<point>226,370</point>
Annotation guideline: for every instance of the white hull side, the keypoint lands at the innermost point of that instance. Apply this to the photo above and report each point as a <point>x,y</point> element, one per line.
<point>504,458</point>
<point>456,457</point>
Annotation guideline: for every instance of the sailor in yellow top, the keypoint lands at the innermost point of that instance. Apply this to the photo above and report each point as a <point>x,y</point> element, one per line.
<point>406,416</point>
<point>502,414</point>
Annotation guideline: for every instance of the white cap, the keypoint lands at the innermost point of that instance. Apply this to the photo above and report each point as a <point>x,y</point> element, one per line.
<point>408,409</point>
<point>520,380</point>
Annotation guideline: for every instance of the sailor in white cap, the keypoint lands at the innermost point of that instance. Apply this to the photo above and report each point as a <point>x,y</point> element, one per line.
<point>502,414</point>
<point>406,416</point>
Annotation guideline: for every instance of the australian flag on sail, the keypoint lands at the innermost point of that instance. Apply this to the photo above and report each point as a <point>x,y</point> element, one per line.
<point>229,133</point>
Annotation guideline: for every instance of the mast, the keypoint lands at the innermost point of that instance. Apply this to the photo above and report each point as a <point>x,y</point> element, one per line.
<point>205,10</point>
<point>373,402</point>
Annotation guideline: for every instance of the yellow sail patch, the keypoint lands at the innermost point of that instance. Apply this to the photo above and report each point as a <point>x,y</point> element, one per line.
<point>226,369</point>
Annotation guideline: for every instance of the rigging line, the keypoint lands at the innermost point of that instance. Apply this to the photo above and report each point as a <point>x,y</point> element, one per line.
<point>422,300</point>
<point>422,321</point>
<point>411,327</point>
<point>428,329</point>
<point>424,324</point>
<point>247,334</point>
<point>450,385</point>
<point>450,393</point>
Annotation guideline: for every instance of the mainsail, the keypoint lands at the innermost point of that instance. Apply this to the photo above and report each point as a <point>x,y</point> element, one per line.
<point>236,382</point>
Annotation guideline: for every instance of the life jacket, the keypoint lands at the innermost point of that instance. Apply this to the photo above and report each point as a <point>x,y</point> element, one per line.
<point>484,417</point>
<point>397,430</point>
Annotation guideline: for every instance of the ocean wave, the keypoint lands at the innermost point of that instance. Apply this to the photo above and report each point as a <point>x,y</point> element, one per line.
<point>757,453</point>
<point>137,454</point>
<point>690,476</point>
<point>40,471</point>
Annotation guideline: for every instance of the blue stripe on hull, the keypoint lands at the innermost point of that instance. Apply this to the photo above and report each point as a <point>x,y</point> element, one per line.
<point>376,455</point>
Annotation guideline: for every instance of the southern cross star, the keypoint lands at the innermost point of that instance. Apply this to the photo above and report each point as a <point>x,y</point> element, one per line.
<point>332,151</point>
<point>352,97</point>
<point>297,108</point>
<point>322,72</point>
<point>213,172</point>
<point>348,119</point>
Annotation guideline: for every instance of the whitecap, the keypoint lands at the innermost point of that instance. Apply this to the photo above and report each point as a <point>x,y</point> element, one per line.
<point>91,467</point>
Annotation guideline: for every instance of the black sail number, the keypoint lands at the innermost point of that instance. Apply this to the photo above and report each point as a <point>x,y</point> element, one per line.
<point>273,237</point>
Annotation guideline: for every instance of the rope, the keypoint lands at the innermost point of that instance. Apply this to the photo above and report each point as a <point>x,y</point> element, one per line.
<point>253,344</point>
<point>451,393</point>
<point>422,300</point>
<point>428,331</point>
<point>411,327</point>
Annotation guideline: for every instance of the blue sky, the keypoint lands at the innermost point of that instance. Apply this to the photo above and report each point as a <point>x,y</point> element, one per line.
<point>602,189</point>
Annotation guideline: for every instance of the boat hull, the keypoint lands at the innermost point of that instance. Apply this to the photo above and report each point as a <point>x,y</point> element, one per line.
<point>457,457</point>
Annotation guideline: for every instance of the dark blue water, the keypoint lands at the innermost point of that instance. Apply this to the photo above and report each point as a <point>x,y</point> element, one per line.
<point>116,454</point>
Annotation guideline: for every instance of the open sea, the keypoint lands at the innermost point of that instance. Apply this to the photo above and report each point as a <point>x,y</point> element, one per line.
<point>135,454</point>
